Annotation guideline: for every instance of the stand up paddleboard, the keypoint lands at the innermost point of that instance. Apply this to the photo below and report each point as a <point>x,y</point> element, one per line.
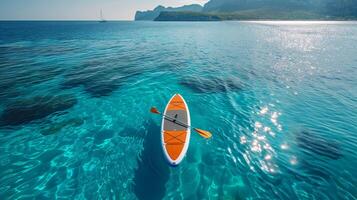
<point>175,130</point>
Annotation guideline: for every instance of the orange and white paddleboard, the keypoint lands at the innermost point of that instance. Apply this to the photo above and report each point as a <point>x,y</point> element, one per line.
<point>175,130</point>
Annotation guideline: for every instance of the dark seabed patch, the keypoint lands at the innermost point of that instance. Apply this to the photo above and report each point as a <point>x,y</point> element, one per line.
<point>54,128</point>
<point>315,143</point>
<point>8,50</point>
<point>212,84</point>
<point>132,132</point>
<point>315,176</point>
<point>18,75</point>
<point>38,49</point>
<point>314,171</point>
<point>100,77</point>
<point>153,171</point>
<point>56,50</point>
<point>101,136</point>
<point>28,110</point>
<point>9,93</point>
<point>103,89</point>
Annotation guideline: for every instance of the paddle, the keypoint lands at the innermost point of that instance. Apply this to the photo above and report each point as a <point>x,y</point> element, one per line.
<point>203,133</point>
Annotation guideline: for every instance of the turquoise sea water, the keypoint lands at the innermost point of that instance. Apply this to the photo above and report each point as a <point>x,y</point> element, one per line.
<point>279,97</point>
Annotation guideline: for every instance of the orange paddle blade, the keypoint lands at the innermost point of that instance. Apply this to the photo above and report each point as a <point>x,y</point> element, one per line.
<point>154,110</point>
<point>203,133</point>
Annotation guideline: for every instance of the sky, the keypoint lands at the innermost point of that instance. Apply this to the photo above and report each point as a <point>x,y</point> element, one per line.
<point>80,9</point>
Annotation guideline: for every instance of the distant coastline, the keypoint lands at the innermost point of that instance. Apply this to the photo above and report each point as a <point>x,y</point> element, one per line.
<point>256,15</point>
<point>221,10</point>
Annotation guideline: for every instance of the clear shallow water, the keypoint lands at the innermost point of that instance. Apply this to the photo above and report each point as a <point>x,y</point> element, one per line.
<point>279,98</point>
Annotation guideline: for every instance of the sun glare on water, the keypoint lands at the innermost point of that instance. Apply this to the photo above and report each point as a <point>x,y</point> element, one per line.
<point>301,22</point>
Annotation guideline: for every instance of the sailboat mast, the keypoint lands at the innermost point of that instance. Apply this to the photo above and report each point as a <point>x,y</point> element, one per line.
<point>101,16</point>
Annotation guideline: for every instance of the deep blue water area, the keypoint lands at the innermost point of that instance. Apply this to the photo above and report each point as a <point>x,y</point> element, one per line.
<point>280,99</point>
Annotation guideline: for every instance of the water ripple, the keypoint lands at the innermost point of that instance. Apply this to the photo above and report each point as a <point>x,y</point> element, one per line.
<point>75,120</point>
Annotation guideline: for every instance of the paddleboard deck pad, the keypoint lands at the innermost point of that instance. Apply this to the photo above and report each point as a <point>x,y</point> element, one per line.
<point>175,130</point>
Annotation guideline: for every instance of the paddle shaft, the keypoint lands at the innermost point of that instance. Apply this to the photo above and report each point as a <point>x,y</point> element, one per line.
<point>203,133</point>
<point>176,121</point>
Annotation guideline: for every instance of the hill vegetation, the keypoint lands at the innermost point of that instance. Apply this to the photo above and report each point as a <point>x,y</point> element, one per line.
<point>187,16</point>
<point>152,14</point>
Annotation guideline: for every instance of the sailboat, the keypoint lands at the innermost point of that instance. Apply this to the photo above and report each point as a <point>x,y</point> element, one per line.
<point>101,20</point>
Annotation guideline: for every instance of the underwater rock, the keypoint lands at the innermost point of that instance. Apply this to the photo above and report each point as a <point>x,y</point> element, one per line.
<point>152,166</point>
<point>17,75</point>
<point>101,89</point>
<point>318,145</point>
<point>28,110</point>
<point>20,73</point>
<point>96,79</point>
<point>55,50</point>
<point>100,78</point>
<point>8,50</point>
<point>211,84</point>
<point>315,170</point>
<point>37,50</point>
<point>56,127</point>
<point>311,172</point>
